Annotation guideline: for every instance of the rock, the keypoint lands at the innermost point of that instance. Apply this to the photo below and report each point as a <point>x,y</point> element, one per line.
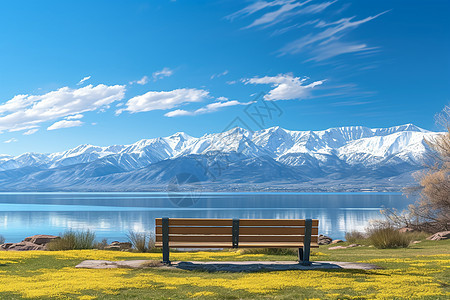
<point>405,229</point>
<point>337,247</point>
<point>344,247</point>
<point>112,247</point>
<point>443,235</point>
<point>225,266</point>
<point>324,240</point>
<point>337,241</point>
<point>25,246</point>
<point>5,246</point>
<point>416,242</point>
<point>40,239</point>
<point>121,245</point>
<point>106,264</point>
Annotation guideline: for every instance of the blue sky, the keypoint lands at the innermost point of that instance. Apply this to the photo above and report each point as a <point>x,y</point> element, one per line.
<point>114,72</point>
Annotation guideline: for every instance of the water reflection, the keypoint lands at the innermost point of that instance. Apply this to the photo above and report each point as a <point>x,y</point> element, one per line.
<point>112,215</point>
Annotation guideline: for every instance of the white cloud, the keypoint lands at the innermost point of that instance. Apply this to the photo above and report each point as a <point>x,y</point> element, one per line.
<point>166,72</point>
<point>31,131</point>
<point>143,80</point>
<point>83,80</point>
<point>75,117</point>
<point>11,140</point>
<point>65,124</point>
<point>325,43</point>
<point>219,74</point>
<point>24,112</point>
<point>212,107</point>
<point>163,100</point>
<point>285,86</point>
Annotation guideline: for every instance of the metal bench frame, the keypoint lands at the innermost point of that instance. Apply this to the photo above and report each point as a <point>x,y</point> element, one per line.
<point>163,235</point>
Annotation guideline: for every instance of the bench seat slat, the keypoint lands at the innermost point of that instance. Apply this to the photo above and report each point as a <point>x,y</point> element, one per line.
<point>228,238</point>
<point>275,231</point>
<point>196,222</point>
<point>275,222</point>
<point>197,230</point>
<point>230,245</point>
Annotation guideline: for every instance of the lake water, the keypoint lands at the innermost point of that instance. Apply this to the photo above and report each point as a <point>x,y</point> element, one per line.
<point>113,215</point>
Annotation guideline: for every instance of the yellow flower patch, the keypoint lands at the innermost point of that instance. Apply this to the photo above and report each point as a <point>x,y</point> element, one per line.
<point>413,281</point>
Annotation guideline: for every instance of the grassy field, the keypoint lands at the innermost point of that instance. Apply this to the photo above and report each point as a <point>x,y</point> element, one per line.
<point>419,272</point>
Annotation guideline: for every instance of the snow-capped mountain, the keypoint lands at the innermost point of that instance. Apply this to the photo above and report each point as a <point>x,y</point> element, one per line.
<point>237,157</point>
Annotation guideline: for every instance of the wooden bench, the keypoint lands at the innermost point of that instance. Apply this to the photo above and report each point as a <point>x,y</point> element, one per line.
<point>237,233</point>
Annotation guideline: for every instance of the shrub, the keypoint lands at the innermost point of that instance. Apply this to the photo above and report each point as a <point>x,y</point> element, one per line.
<point>101,245</point>
<point>141,241</point>
<point>71,240</point>
<point>388,237</point>
<point>2,239</point>
<point>355,237</point>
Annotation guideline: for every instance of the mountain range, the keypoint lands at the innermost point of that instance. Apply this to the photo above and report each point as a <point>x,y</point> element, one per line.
<point>337,159</point>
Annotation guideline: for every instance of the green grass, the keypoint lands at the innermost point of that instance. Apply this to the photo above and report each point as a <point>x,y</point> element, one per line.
<point>421,271</point>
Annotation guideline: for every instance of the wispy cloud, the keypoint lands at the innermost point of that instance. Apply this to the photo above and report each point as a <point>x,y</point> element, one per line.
<point>31,131</point>
<point>321,42</point>
<point>331,34</point>
<point>83,80</point>
<point>65,124</point>
<point>24,112</point>
<point>162,100</point>
<point>326,44</point>
<point>219,74</point>
<point>11,140</point>
<point>285,86</point>
<point>166,72</point>
<point>255,7</point>
<point>75,117</point>
<point>212,107</point>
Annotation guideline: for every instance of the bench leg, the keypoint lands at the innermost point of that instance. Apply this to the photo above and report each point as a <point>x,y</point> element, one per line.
<point>165,240</point>
<point>300,254</point>
<point>307,243</point>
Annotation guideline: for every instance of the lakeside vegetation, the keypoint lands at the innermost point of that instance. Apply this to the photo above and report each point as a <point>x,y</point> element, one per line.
<point>421,271</point>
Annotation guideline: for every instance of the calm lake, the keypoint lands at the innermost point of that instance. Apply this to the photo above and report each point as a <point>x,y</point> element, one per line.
<point>113,215</point>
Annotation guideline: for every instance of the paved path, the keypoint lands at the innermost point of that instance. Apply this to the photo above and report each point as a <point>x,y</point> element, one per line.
<point>226,266</point>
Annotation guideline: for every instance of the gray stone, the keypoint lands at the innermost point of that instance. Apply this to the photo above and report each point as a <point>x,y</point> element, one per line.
<point>337,247</point>
<point>106,264</point>
<point>443,235</point>
<point>344,247</point>
<point>226,266</point>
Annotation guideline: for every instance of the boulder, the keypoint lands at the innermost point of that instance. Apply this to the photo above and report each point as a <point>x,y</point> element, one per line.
<point>443,235</point>
<point>324,240</point>
<point>40,239</point>
<point>25,246</point>
<point>405,229</point>
<point>337,241</point>
<point>119,246</point>
<point>5,246</point>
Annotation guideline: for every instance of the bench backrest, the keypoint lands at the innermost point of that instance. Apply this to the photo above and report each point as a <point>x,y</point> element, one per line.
<point>234,233</point>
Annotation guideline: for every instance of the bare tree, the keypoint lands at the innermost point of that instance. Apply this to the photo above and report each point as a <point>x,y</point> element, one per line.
<point>432,211</point>
<point>433,208</point>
